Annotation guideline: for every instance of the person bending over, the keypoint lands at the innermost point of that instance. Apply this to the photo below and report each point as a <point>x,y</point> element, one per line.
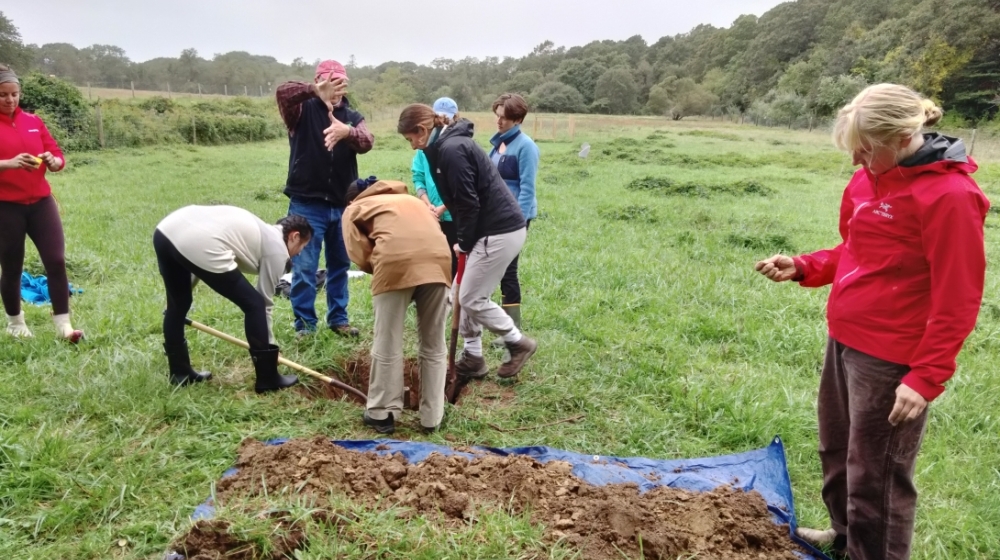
<point>391,235</point>
<point>217,245</point>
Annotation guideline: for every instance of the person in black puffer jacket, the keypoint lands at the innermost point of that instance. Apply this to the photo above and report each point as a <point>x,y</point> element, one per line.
<point>491,231</point>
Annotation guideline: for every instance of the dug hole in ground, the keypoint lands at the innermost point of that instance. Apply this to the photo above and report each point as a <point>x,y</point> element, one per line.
<point>601,522</point>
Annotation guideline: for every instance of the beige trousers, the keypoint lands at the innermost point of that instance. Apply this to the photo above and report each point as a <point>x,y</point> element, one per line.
<point>385,388</point>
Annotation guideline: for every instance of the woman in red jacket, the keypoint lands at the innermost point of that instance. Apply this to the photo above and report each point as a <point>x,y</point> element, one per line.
<point>27,209</point>
<point>907,282</point>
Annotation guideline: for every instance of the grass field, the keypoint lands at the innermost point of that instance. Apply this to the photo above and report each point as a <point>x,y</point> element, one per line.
<point>650,318</point>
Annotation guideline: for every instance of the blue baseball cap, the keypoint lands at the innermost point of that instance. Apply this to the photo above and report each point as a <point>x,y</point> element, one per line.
<point>446,106</point>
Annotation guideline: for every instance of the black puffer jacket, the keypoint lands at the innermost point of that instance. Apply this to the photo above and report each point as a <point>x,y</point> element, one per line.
<point>471,187</point>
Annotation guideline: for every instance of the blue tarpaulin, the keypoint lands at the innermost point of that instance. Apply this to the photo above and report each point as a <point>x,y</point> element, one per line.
<point>35,289</point>
<point>763,470</point>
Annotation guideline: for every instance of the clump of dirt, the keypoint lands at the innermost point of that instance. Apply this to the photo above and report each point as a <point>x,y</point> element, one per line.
<point>211,540</point>
<point>601,521</point>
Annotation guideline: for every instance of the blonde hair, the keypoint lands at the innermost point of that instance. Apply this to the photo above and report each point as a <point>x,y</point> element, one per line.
<point>881,113</point>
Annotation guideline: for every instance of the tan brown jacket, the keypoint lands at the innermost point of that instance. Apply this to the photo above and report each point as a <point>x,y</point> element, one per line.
<point>394,237</point>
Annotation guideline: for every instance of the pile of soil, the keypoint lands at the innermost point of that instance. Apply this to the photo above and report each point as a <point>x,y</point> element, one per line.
<point>601,521</point>
<point>211,540</point>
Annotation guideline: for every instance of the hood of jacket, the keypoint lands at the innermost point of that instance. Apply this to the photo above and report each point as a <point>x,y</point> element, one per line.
<point>939,154</point>
<point>382,187</point>
<point>463,127</point>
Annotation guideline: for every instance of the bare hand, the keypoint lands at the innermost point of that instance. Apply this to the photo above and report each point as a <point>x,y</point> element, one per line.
<point>336,132</point>
<point>909,405</point>
<point>440,210</point>
<point>331,89</point>
<point>51,161</point>
<point>22,161</point>
<point>458,250</point>
<point>777,268</point>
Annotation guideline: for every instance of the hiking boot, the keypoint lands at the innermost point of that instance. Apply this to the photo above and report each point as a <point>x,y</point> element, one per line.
<point>520,351</point>
<point>345,330</point>
<point>386,426</point>
<point>816,537</point>
<point>181,372</point>
<point>473,367</point>
<point>265,364</point>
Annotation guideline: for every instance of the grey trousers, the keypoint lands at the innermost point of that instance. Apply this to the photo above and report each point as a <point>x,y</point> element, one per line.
<point>484,268</point>
<point>868,463</point>
<point>385,388</point>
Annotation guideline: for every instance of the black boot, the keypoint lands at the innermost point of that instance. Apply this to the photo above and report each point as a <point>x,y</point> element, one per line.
<point>265,363</point>
<point>181,372</point>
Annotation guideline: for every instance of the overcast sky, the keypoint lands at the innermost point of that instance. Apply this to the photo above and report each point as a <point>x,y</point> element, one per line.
<point>374,31</point>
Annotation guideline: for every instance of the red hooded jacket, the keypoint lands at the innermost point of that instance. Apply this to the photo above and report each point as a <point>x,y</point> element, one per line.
<point>25,133</point>
<point>908,277</point>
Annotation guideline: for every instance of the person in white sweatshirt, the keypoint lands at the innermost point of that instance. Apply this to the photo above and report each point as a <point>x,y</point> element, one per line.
<point>217,245</point>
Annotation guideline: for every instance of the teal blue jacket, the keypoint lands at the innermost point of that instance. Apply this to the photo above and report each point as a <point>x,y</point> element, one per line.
<point>423,179</point>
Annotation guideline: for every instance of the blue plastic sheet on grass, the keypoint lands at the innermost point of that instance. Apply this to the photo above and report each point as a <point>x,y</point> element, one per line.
<point>35,289</point>
<point>763,470</point>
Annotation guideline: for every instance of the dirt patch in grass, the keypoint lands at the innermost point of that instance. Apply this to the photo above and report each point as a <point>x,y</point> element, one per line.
<point>212,540</point>
<point>603,522</point>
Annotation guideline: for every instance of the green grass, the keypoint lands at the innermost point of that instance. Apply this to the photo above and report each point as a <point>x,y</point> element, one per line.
<point>650,318</point>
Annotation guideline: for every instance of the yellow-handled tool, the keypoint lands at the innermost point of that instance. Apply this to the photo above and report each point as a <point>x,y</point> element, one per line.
<point>283,361</point>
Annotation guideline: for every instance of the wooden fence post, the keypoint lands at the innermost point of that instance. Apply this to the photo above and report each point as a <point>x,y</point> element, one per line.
<point>199,89</point>
<point>168,90</point>
<point>90,93</point>
<point>972,144</point>
<point>225,89</point>
<point>572,127</point>
<point>100,125</point>
<point>132,85</point>
<point>261,89</point>
<point>553,128</point>
<point>534,131</point>
<point>194,131</point>
<point>245,91</point>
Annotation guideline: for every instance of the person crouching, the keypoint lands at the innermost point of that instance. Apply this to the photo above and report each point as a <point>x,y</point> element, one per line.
<point>217,244</point>
<point>391,235</point>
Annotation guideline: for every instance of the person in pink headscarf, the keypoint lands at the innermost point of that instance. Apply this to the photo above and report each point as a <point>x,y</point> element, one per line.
<point>318,177</point>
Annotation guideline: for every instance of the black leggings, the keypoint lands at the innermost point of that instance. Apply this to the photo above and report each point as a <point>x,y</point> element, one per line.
<point>39,221</point>
<point>510,285</point>
<point>177,270</point>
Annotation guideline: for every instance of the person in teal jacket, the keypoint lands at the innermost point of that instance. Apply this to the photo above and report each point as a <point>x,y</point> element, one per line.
<point>516,156</point>
<point>427,191</point>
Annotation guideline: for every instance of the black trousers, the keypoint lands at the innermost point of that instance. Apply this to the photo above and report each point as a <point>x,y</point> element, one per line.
<point>510,285</point>
<point>176,271</point>
<point>39,221</point>
<point>451,234</point>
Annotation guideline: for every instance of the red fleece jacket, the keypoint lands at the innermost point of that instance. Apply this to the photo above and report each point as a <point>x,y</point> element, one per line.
<point>25,133</point>
<point>908,277</point>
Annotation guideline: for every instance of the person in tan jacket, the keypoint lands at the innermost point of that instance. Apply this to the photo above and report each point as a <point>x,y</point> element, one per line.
<point>391,235</point>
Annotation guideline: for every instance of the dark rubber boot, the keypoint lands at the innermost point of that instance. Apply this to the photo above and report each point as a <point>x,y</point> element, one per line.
<point>265,363</point>
<point>181,372</point>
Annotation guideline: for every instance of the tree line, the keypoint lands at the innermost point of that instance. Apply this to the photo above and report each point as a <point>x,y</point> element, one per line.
<point>796,63</point>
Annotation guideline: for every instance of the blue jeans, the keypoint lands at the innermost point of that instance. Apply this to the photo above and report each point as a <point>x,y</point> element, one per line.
<point>325,221</point>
